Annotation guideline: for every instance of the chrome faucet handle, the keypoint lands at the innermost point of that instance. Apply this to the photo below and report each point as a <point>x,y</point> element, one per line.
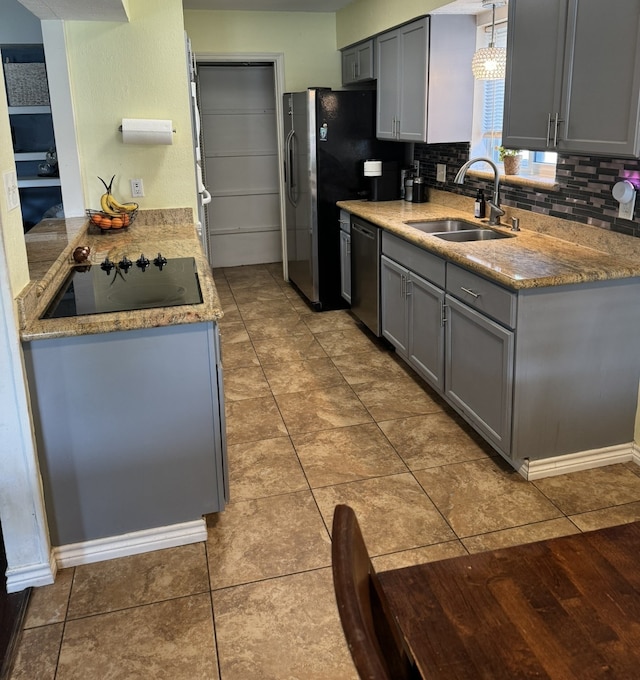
<point>495,213</point>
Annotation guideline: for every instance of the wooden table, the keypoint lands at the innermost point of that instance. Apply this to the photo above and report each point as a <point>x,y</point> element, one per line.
<point>563,608</point>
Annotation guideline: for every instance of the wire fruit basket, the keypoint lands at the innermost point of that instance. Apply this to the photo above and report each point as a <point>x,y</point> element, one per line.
<point>106,222</point>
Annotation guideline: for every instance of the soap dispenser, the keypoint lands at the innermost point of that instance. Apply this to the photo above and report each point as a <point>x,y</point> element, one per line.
<point>479,206</point>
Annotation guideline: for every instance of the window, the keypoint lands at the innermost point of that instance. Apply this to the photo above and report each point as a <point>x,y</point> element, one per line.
<point>488,112</point>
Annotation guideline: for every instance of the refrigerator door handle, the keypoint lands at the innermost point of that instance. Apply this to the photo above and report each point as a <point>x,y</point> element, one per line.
<point>293,170</point>
<point>288,150</point>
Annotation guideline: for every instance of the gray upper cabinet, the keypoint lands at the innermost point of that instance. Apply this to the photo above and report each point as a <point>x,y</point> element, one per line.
<point>425,86</point>
<point>573,77</point>
<point>357,63</point>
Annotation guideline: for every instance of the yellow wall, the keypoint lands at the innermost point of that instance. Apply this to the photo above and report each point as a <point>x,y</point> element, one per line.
<point>133,70</point>
<point>307,40</point>
<point>364,18</point>
<point>10,221</point>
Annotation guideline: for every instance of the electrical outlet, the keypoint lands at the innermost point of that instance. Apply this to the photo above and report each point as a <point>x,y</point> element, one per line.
<point>626,210</point>
<point>11,189</point>
<point>137,188</point>
<point>441,172</point>
<point>416,168</point>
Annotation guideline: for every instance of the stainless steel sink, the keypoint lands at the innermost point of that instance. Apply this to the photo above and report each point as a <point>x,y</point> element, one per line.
<point>440,226</point>
<point>473,235</point>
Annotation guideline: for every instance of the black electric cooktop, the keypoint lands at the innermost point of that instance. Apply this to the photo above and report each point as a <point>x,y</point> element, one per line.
<point>126,286</point>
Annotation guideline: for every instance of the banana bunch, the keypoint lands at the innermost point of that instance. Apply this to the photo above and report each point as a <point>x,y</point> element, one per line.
<point>110,206</point>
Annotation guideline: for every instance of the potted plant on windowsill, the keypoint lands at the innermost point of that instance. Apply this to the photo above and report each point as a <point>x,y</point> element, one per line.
<point>511,159</point>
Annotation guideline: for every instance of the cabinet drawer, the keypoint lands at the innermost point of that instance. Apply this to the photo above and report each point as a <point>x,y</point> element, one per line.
<point>427,265</point>
<point>485,296</point>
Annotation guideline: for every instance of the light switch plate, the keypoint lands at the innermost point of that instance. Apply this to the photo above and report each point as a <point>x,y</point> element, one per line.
<point>441,172</point>
<point>11,189</point>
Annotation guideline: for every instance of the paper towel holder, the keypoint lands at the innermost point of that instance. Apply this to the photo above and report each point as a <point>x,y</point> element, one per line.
<point>147,131</point>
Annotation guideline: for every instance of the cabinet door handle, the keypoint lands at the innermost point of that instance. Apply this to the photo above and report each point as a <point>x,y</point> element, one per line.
<point>470,292</point>
<point>403,286</point>
<point>443,313</point>
<point>555,130</point>
<point>408,289</point>
<point>348,246</point>
<point>549,130</point>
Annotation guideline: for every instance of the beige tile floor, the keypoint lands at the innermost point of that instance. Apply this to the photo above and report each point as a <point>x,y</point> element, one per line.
<point>318,413</point>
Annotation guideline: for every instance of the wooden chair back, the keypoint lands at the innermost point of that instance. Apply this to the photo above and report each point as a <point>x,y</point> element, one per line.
<point>373,638</point>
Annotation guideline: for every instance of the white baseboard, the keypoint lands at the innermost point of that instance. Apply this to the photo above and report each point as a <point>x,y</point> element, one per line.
<point>132,543</point>
<point>31,576</point>
<point>582,460</point>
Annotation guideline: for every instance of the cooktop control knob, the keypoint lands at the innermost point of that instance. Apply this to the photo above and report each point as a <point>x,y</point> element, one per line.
<point>160,261</point>
<point>125,264</point>
<point>142,262</point>
<point>107,265</point>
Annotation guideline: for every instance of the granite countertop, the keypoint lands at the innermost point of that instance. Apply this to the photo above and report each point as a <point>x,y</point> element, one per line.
<point>528,260</point>
<point>50,248</point>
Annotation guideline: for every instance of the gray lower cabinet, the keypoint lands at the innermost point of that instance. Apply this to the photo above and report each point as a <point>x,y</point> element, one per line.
<point>461,353</point>
<point>479,371</point>
<point>538,372</point>
<point>357,63</point>
<point>412,306</point>
<point>130,429</point>
<point>412,320</point>
<point>573,77</point>
<point>394,315</point>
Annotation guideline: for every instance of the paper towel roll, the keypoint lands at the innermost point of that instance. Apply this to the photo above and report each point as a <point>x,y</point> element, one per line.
<point>146,131</point>
<point>373,168</point>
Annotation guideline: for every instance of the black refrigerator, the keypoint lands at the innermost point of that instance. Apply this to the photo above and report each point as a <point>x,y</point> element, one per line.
<point>328,135</point>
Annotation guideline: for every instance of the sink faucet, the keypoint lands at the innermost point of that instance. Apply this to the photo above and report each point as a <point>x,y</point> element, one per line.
<point>495,211</point>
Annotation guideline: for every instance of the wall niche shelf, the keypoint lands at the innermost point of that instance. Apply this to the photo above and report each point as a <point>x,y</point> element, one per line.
<point>32,135</point>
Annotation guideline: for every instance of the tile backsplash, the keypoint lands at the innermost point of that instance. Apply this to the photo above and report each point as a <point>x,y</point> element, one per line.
<point>582,192</point>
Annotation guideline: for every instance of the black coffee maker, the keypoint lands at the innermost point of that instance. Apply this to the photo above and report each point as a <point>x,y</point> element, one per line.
<point>384,180</point>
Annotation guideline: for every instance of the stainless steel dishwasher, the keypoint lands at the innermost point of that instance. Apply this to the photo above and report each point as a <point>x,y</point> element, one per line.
<point>365,273</point>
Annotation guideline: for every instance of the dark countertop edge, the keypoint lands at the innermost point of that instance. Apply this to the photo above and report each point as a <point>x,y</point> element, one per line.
<point>459,253</point>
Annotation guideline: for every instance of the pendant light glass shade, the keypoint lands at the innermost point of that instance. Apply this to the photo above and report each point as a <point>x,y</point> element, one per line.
<point>490,63</point>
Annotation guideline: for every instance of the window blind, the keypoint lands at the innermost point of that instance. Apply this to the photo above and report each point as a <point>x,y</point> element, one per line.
<point>493,100</point>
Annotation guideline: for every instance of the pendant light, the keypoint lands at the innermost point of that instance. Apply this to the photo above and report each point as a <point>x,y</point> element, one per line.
<point>489,63</point>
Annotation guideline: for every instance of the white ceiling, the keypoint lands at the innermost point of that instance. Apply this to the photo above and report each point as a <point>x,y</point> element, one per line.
<point>465,7</point>
<point>113,10</point>
<point>80,10</point>
<point>456,7</point>
<point>269,5</point>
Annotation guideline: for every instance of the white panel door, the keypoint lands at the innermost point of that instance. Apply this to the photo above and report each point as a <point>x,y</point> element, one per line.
<point>237,103</point>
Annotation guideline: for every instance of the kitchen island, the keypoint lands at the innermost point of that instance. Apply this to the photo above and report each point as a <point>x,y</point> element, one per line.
<point>127,406</point>
<point>526,337</point>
